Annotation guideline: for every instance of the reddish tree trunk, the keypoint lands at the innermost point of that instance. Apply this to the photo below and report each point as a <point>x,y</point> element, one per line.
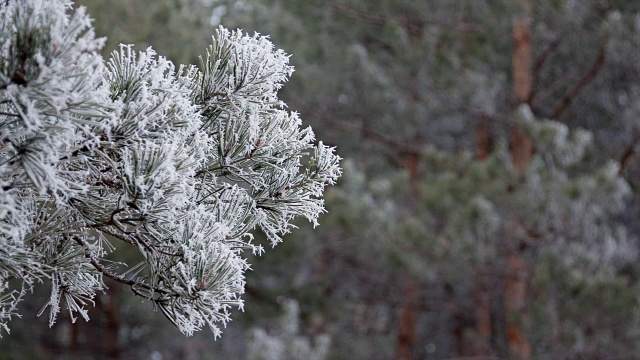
<point>475,341</point>
<point>522,60</point>
<point>515,296</point>
<point>515,303</point>
<point>408,314</point>
<point>407,320</point>
<point>483,137</point>
<point>483,318</point>
<point>521,151</point>
<point>473,331</point>
<point>522,146</point>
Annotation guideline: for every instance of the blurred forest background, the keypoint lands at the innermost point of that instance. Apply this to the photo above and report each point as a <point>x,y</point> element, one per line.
<point>490,205</point>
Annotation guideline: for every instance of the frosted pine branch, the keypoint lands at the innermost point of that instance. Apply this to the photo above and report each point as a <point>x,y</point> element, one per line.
<point>179,164</point>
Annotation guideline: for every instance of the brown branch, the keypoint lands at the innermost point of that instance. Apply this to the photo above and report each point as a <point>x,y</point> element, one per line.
<point>539,63</point>
<point>557,84</point>
<point>545,55</point>
<point>628,153</point>
<point>86,146</point>
<point>119,278</point>
<point>105,229</point>
<point>222,167</point>
<point>483,137</point>
<point>588,78</point>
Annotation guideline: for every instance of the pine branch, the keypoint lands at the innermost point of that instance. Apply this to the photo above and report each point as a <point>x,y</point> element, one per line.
<point>121,153</point>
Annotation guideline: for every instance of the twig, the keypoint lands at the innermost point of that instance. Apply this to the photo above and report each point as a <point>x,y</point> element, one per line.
<point>545,55</point>
<point>628,153</point>
<point>9,114</point>
<point>595,69</point>
<point>112,276</point>
<point>540,61</point>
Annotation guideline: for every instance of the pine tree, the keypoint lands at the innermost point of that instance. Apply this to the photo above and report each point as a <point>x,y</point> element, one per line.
<point>179,163</point>
<point>472,215</point>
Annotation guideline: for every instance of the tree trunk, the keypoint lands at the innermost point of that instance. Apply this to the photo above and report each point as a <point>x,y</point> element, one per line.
<point>522,60</point>
<point>408,315</point>
<point>515,303</point>
<point>515,296</point>
<point>522,146</point>
<point>483,316</point>
<point>483,137</point>
<point>407,320</point>
<point>521,151</point>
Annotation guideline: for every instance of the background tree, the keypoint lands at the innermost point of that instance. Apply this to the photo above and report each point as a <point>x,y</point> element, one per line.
<point>437,73</point>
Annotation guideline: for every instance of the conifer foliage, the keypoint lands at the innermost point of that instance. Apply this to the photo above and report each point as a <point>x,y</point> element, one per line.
<point>178,163</point>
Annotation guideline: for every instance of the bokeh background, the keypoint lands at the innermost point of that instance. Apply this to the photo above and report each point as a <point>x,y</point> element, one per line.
<point>489,207</point>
